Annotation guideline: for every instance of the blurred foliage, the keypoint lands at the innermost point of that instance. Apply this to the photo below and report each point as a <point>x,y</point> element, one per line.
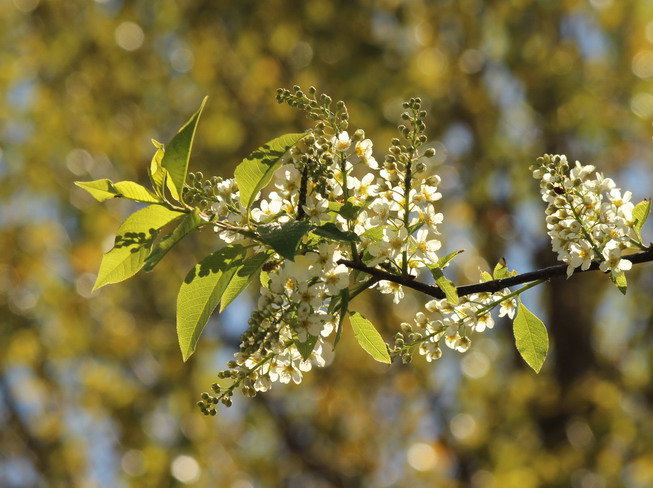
<point>92,388</point>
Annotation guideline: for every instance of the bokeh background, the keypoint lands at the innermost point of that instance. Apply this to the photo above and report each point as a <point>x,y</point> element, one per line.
<point>93,392</point>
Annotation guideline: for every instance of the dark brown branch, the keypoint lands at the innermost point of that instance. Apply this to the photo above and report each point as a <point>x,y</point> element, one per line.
<point>488,286</point>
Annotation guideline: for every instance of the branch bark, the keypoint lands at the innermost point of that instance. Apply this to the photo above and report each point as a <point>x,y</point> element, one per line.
<point>488,286</point>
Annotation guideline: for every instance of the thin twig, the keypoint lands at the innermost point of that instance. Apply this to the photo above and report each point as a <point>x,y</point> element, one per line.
<point>488,286</point>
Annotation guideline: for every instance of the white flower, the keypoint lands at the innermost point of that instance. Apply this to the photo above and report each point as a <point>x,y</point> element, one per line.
<point>336,279</point>
<point>508,307</point>
<point>317,209</point>
<point>613,261</point>
<point>342,142</point>
<point>396,289</point>
<point>425,248</point>
<point>364,152</point>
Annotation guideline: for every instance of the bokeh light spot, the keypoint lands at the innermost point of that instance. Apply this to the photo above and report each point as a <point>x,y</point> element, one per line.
<point>185,469</point>
<point>421,456</point>
<point>129,36</point>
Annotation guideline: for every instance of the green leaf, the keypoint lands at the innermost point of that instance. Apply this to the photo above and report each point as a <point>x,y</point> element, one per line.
<point>446,286</point>
<point>134,191</point>
<point>500,270</point>
<point>374,234</point>
<point>101,190</point>
<point>485,276</point>
<point>331,231</point>
<point>369,338</point>
<point>264,278</point>
<point>342,302</point>
<point>284,238</point>
<point>133,243</point>
<point>621,282</point>
<point>190,222</point>
<point>640,214</point>
<point>201,291</point>
<point>349,211</point>
<point>444,261</point>
<point>105,189</point>
<point>157,172</point>
<point>306,348</point>
<point>177,151</point>
<point>256,171</point>
<point>242,277</point>
<point>531,338</point>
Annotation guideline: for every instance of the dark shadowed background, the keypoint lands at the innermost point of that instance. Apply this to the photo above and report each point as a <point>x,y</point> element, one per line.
<point>93,392</point>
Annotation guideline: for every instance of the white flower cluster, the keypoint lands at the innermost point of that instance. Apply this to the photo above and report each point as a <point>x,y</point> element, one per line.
<point>588,218</point>
<point>453,323</point>
<point>374,214</point>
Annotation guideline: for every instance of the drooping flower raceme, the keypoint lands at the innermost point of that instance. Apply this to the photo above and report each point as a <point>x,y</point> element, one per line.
<point>588,218</point>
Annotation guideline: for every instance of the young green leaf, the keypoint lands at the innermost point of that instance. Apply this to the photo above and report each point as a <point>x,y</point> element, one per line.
<point>264,278</point>
<point>242,277</point>
<point>201,292</point>
<point>331,231</point>
<point>349,211</point>
<point>133,243</point>
<point>444,261</point>
<point>374,234</point>
<point>446,286</point>
<point>101,190</point>
<point>256,170</point>
<point>500,270</point>
<point>284,238</point>
<point>531,338</point>
<point>621,282</point>
<point>156,172</point>
<point>177,151</point>
<point>369,338</point>
<point>190,222</point>
<point>136,192</point>
<point>306,348</point>
<point>341,302</point>
<point>640,214</point>
<point>105,189</point>
<point>485,276</point>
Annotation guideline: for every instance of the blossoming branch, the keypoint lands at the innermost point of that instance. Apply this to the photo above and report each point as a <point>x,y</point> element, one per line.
<point>317,220</point>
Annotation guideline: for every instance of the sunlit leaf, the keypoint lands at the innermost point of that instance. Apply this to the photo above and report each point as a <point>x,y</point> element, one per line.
<point>369,338</point>
<point>640,215</point>
<point>446,286</point>
<point>134,191</point>
<point>190,222</point>
<point>201,292</point>
<point>531,337</point>
<point>101,190</point>
<point>621,282</point>
<point>133,243</point>
<point>256,171</point>
<point>177,151</point>
<point>444,261</point>
<point>500,270</point>
<point>243,275</point>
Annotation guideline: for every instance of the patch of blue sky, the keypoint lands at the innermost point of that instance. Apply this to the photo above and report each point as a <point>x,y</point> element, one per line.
<point>17,132</point>
<point>20,95</point>
<point>585,31</point>
<point>25,206</point>
<point>637,177</point>
<point>504,89</point>
<point>458,139</point>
